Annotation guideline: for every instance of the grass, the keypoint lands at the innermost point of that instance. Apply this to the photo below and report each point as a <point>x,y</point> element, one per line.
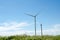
<point>25,37</point>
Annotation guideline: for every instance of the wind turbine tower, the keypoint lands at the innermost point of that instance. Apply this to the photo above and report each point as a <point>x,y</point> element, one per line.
<point>34,16</point>
<point>41,31</point>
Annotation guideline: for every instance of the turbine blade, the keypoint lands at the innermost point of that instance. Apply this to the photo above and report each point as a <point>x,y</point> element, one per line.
<point>29,15</point>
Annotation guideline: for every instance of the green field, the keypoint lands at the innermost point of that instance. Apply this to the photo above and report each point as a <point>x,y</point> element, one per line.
<point>25,37</point>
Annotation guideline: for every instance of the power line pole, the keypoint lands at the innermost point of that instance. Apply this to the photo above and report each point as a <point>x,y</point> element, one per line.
<point>34,21</point>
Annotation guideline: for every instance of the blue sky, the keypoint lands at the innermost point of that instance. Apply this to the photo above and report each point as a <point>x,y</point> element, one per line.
<point>12,14</point>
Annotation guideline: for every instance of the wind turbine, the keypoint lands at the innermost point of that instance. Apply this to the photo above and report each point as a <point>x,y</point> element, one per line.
<point>34,16</point>
<point>41,31</point>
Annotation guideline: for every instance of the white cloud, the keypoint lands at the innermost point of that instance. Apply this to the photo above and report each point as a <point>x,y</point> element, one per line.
<point>14,28</point>
<point>55,30</point>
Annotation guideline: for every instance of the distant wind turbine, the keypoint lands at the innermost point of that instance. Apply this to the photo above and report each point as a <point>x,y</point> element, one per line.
<point>41,31</point>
